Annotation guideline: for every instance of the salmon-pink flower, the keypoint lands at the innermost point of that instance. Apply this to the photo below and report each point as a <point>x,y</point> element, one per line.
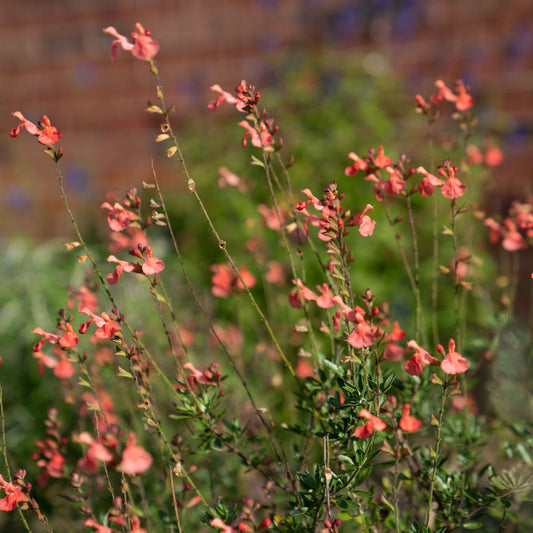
<point>123,266</point>
<point>136,525</point>
<point>211,376</point>
<point>462,100</point>
<point>271,218</point>
<point>52,338</point>
<point>96,452</point>
<point>152,265</point>
<point>453,188</point>
<point>13,495</point>
<point>493,156</point>
<point>119,218</point>
<point>143,46</point>
<point>454,362</point>
<point>258,139</point>
<point>374,424</point>
<point>304,368</point>
<point>382,160</point>
<point>218,523</point>
<point>512,240</point>
<point>247,277</point>
<point>99,528</point>
<point>135,459</point>
<point>360,164</point>
<point>275,273</point>
<point>428,183</point>
<point>47,133</point>
<point>409,423</point>
<point>305,292</point>
<point>106,326</point>
<point>362,335</point>
<point>393,352</point>
<point>415,366</point>
<point>85,298</point>
<point>227,97</point>
<point>365,223</point>
<point>69,339</point>
<point>225,281</point>
<point>49,458</point>
<point>62,368</point>
<point>325,300</point>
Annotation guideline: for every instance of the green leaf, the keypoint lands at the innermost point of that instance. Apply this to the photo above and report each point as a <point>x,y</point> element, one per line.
<point>257,162</point>
<point>446,230</point>
<point>124,373</point>
<point>336,368</point>
<point>472,525</point>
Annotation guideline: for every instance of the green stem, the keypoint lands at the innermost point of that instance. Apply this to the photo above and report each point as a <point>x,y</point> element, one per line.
<point>414,238</point>
<point>191,185</point>
<point>6,461</point>
<point>274,440</point>
<point>437,450</point>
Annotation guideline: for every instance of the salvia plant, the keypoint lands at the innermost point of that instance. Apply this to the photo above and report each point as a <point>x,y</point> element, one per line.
<point>292,398</point>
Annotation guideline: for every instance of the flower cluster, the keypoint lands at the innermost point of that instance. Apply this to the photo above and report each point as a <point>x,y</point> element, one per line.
<point>225,280</point>
<point>516,231</point>
<point>459,97</point>
<point>395,184</point>
<point>259,128</point>
<point>332,220</point>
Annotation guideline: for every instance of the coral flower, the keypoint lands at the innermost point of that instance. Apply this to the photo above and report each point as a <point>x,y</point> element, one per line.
<point>409,423</point>
<point>13,495</point>
<point>374,423</point>
<point>47,133</point>
<point>135,459</point>
<point>454,362</point>
<point>143,46</point>
<point>415,365</point>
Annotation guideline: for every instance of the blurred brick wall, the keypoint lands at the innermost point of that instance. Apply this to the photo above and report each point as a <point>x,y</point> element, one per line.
<point>55,60</point>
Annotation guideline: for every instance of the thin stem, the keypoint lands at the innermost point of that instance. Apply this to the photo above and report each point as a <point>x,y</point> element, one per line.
<point>104,284</point>
<point>435,276</point>
<point>416,259</point>
<point>276,445</point>
<point>396,481</point>
<point>191,185</point>
<point>457,285</point>
<point>6,461</point>
<point>174,501</point>
<point>437,450</point>
<point>129,328</point>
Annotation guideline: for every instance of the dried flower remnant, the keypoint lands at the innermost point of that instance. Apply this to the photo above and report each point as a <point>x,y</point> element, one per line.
<point>143,46</point>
